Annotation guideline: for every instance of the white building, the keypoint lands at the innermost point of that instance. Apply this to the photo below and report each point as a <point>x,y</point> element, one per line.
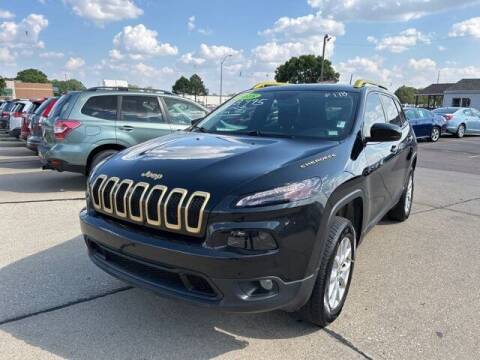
<point>115,83</point>
<point>465,93</point>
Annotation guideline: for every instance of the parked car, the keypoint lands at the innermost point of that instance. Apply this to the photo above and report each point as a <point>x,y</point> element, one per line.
<point>425,123</point>
<point>261,205</point>
<point>27,118</point>
<point>39,116</point>
<point>5,114</point>
<point>460,121</point>
<point>86,127</point>
<point>15,120</point>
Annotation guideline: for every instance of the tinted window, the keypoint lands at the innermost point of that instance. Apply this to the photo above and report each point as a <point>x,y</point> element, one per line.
<point>391,111</point>
<point>447,110</point>
<point>183,112</point>
<point>42,107</point>
<point>411,114</point>
<point>467,112</point>
<point>314,114</point>
<point>373,113</point>
<point>102,107</point>
<point>141,108</point>
<point>424,113</point>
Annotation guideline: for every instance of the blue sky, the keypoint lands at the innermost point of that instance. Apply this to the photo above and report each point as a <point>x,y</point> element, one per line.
<point>149,42</point>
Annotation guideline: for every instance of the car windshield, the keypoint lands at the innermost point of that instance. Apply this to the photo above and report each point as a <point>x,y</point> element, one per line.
<point>289,113</point>
<point>447,110</point>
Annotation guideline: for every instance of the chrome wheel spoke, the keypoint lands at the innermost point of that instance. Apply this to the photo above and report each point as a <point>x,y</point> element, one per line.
<point>340,273</point>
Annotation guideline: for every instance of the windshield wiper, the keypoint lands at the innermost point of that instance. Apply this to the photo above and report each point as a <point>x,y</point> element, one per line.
<point>198,128</point>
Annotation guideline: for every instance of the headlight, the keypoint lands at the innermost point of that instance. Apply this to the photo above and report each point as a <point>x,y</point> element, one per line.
<point>283,194</point>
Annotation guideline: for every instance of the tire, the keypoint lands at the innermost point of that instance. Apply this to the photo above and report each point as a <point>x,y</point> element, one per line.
<point>319,309</point>
<point>401,211</point>
<point>97,158</point>
<point>460,131</point>
<point>435,134</point>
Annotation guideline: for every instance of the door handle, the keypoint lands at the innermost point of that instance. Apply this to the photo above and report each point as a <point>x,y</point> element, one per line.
<point>126,128</point>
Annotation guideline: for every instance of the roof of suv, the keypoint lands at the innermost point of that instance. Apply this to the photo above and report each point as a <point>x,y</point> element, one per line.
<point>317,87</point>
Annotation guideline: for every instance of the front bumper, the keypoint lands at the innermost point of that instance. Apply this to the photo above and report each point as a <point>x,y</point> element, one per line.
<point>185,270</point>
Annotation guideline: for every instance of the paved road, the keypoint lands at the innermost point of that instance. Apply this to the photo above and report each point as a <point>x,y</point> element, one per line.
<point>415,292</point>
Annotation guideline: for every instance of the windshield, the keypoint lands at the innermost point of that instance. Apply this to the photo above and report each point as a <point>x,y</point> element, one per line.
<point>448,110</point>
<point>314,114</point>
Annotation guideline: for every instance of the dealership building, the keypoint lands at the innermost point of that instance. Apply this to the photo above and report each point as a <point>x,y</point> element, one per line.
<point>464,93</point>
<point>22,90</point>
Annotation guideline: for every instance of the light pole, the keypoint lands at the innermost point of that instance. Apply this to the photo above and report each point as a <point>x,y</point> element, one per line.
<point>326,38</point>
<point>221,76</point>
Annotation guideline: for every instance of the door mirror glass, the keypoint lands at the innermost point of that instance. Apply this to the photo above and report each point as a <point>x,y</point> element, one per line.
<point>382,132</point>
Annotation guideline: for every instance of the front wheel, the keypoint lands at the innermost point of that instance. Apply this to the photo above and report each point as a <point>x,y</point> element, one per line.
<point>334,275</point>
<point>102,155</point>
<point>461,131</point>
<point>401,211</point>
<point>435,135</point>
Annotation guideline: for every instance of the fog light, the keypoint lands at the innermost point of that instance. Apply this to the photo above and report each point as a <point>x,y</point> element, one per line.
<point>251,240</point>
<point>267,284</point>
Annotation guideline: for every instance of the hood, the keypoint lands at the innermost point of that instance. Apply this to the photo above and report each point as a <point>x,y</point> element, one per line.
<point>214,163</point>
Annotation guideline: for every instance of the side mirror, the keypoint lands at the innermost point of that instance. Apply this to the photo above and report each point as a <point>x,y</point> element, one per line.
<point>382,132</point>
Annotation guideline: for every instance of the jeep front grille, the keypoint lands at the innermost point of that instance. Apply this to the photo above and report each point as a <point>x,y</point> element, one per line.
<point>155,206</point>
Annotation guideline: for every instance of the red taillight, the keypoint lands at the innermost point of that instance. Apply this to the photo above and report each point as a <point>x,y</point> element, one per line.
<point>63,128</point>
<point>448,116</point>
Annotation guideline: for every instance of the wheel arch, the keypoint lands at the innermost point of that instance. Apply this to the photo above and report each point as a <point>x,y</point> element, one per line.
<point>99,149</point>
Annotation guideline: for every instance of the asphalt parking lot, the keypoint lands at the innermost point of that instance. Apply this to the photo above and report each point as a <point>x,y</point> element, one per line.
<point>415,292</point>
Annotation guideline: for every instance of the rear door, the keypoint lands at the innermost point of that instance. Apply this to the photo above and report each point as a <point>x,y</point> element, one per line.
<point>181,112</point>
<point>141,119</point>
<point>425,122</point>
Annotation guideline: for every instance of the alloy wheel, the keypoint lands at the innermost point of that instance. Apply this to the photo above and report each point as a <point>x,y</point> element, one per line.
<point>340,274</point>
<point>409,195</point>
<point>435,134</point>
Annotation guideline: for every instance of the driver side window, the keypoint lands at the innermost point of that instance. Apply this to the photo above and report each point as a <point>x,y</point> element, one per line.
<point>373,113</point>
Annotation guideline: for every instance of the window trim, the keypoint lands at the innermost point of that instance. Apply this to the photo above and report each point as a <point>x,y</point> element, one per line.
<point>160,104</point>
<point>377,93</point>
<point>395,105</point>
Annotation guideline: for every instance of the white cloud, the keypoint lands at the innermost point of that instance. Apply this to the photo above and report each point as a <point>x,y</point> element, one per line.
<point>150,71</point>
<point>275,53</point>
<point>312,24</point>
<point>385,10</point>
<point>401,42</point>
<point>188,58</point>
<point>215,52</point>
<point>74,63</point>
<point>51,55</point>
<point>6,56</point>
<point>115,54</point>
<point>191,23</point>
<point>470,27</point>
<point>138,42</point>
<point>441,48</point>
<point>5,14</point>
<point>422,64</point>
<point>24,33</point>
<point>369,68</point>
<point>102,11</point>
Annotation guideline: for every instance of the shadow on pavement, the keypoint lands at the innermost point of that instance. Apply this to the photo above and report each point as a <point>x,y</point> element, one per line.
<point>129,324</point>
<point>42,182</point>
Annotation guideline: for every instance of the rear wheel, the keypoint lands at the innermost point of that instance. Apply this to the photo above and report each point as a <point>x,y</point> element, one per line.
<point>460,131</point>
<point>97,158</point>
<point>401,211</point>
<point>334,275</point>
<point>435,135</point>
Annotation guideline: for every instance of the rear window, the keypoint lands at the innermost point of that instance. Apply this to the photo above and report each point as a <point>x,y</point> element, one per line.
<point>102,107</point>
<point>42,106</point>
<point>62,106</point>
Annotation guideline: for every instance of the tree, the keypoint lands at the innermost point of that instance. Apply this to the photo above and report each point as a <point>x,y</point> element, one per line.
<point>32,76</point>
<point>406,94</point>
<point>3,84</point>
<point>196,86</point>
<point>181,86</point>
<point>305,69</point>
<point>69,85</point>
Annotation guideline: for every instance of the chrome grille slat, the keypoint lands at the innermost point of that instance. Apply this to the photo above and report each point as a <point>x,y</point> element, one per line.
<point>138,218</point>
<point>131,201</point>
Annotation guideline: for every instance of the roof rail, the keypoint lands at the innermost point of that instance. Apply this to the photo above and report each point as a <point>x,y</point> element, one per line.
<point>265,84</point>
<point>362,83</point>
<point>123,88</point>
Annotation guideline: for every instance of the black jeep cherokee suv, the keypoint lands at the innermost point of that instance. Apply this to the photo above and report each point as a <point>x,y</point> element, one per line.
<point>260,205</point>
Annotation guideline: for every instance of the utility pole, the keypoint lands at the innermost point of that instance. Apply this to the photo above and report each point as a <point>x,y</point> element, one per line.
<point>221,76</point>
<point>326,38</point>
<point>438,77</point>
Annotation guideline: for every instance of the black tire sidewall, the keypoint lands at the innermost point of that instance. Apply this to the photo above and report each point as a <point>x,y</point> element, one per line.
<point>101,156</point>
